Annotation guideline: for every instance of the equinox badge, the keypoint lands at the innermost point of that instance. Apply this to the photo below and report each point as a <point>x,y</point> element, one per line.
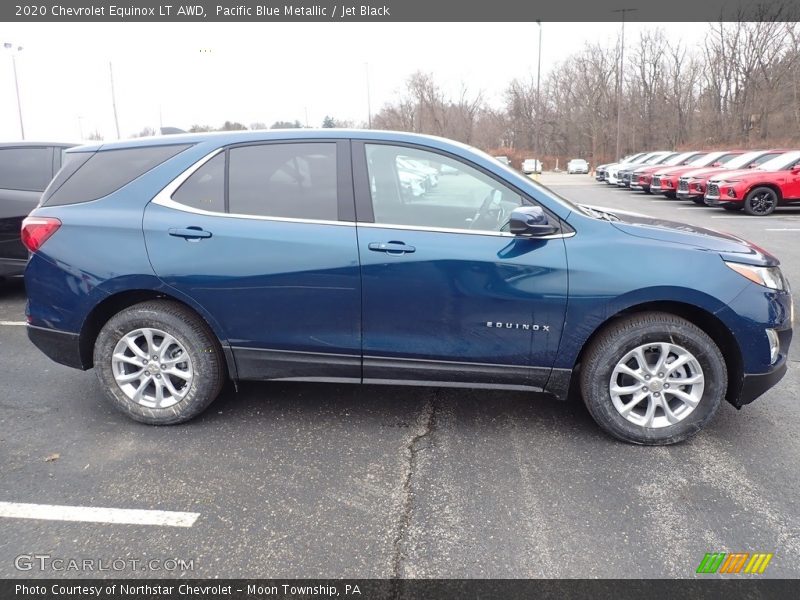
<point>530,326</point>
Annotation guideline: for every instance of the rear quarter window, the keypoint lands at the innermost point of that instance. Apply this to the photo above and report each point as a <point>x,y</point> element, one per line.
<point>104,172</point>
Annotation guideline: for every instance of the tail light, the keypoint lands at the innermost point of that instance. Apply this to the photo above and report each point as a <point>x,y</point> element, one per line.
<point>37,230</point>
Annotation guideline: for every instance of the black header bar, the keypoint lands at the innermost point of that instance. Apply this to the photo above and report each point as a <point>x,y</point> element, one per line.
<point>338,11</point>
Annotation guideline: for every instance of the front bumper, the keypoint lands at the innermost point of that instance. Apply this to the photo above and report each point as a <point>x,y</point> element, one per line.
<point>754,385</point>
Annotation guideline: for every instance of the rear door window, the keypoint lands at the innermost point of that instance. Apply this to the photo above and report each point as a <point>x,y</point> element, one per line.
<point>287,180</point>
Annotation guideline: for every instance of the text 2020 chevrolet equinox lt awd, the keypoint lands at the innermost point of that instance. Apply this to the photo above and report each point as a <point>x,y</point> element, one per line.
<point>172,264</point>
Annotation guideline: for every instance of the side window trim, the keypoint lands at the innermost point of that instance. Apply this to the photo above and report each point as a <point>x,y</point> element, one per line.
<point>365,215</point>
<point>345,202</point>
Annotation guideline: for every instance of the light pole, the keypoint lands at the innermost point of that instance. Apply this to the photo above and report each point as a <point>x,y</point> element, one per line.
<point>369,107</point>
<point>619,77</point>
<point>14,52</point>
<point>538,103</point>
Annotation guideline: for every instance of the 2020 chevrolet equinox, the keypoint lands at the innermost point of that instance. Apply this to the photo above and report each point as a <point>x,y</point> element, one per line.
<point>172,264</point>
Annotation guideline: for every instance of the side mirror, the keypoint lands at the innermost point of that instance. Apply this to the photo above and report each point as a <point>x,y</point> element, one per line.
<point>716,164</point>
<point>530,221</point>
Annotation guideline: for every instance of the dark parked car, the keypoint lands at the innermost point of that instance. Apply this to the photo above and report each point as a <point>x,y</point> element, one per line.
<point>25,170</point>
<point>172,264</point>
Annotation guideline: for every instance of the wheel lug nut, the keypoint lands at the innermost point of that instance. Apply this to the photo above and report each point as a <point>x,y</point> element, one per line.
<point>147,373</point>
<point>647,377</point>
<point>660,374</point>
<point>656,394</point>
<point>644,389</point>
<point>666,385</point>
<point>155,357</point>
<point>163,366</point>
<point>158,375</point>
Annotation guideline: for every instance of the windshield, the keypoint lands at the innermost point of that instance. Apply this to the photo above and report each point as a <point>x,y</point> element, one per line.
<point>707,159</point>
<point>654,159</point>
<point>779,163</point>
<point>664,159</point>
<point>741,161</point>
<point>678,159</point>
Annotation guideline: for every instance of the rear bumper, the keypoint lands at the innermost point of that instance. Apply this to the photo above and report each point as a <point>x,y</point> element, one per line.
<point>60,346</point>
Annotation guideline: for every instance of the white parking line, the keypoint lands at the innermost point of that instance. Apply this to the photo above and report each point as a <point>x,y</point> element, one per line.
<point>93,514</point>
<point>738,217</point>
<point>15,323</point>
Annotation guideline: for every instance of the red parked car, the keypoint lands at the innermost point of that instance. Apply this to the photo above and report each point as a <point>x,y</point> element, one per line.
<point>665,181</point>
<point>692,185</point>
<point>761,190</point>
<point>641,177</point>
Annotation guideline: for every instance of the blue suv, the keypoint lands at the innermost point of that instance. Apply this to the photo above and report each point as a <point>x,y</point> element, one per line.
<point>173,264</point>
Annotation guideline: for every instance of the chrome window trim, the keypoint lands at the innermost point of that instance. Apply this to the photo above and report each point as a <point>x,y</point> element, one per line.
<point>164,198</point>
<point>484,232</point>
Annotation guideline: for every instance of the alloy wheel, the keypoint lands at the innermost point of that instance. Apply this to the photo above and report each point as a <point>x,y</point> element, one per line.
<point>657,385</point>
<point>152,368</point>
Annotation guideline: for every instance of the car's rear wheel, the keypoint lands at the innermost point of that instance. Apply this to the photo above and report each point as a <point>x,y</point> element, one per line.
<point>653,378</point>
<point>159,363</point>
<point>760,202</point>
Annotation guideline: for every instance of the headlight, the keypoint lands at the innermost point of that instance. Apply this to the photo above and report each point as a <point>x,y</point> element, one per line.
<point>722,182</point>
<point>770,277</point>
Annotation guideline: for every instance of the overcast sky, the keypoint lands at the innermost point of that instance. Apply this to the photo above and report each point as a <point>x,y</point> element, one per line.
<point>206,73</point>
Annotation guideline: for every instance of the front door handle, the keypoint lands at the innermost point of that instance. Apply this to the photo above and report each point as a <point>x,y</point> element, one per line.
<point>190,233</point>
<point>391,247</point>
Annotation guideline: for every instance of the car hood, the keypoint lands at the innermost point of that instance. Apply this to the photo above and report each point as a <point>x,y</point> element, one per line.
<point>646,169</point>
<point>727,245</point>
<point>706,172</point>
<point>671,170</point>
<point>738,174</point>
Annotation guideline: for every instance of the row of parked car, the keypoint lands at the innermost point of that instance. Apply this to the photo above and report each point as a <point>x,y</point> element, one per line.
<point>756,181</point>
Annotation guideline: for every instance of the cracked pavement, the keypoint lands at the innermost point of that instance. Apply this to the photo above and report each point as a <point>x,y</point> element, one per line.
<point>320,480</point>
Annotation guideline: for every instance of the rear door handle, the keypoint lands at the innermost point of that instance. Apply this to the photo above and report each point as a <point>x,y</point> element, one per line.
<point>190,233</point>
<point>392,247</point>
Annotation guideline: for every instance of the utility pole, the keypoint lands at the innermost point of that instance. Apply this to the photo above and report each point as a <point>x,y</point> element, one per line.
<point>369,104</point>
<point>619,77</point>
<point>113,98</point>
<point>538,103</point>
<point>14,52</point>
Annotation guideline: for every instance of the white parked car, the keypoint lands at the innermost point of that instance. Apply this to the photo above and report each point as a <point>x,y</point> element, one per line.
<point>531,165</point>
<point>577,165</point>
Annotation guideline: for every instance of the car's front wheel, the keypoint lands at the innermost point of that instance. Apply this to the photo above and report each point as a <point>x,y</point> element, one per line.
<point>760,202</point>
<point>653,378</point>
<point>159,363</point>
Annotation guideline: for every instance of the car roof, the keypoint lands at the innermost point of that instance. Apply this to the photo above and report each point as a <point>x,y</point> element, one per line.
<point>223,138</point>
<point>29,144</point>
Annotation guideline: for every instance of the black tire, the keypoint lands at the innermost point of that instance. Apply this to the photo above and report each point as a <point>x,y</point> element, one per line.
<point>761,201</point>
<point>732,207</point>
<point>200,343</point>
<point>623,336</point>
<point>670,195</point>
<point>699,201</point>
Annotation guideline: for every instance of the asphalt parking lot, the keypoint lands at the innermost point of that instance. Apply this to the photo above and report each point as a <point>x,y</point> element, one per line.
<point>316,480</point>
